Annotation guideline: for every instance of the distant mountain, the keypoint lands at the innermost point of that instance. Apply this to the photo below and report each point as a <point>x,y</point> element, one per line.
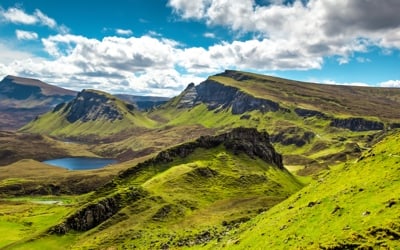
<point>314,125</point>
<point>91,113</point>
<point>243,92</point>
<point>22,99</point>
<point>144,102</point>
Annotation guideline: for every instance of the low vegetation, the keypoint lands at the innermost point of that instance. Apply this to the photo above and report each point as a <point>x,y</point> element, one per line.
<point>355,206</point>
<point>179,186</point>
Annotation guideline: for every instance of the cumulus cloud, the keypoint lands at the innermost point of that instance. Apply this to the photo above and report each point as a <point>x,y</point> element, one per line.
<point>286,35</point>
<point>189,9</point>
<point>26,35</point>
<point>124,32</point>
<point>391,83</point>
<point>139,65</point>
<point>319,28</point>
<point>18,16</point>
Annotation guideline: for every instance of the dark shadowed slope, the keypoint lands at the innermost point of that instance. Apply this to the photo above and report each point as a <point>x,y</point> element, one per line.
<point>22,99</point>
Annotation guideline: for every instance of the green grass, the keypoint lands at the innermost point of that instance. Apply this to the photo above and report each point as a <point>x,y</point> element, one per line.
<point>357,203</point>
<point>333,99</point>
<point>185,198</point>
<point>26,218</point>
<point>56,124</point>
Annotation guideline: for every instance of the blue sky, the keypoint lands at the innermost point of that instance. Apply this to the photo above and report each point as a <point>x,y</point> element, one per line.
<point>156,47</point>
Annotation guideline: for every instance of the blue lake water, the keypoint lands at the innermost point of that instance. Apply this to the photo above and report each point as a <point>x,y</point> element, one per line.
<point>81,163</point>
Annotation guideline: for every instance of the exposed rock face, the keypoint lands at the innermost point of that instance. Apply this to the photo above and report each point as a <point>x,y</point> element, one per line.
<point>188,97</point>
<point>218,96</point>
<point>239,140</point>
<point>90,106</point>
<point>293,136</point>
<point>357,124</point>
<point>96,213</point>
<point>309,113</point>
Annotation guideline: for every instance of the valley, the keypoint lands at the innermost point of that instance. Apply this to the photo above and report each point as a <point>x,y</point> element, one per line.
<point>238,161</point>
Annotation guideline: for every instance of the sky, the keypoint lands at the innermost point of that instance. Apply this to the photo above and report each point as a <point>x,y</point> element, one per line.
<point>157,47</point>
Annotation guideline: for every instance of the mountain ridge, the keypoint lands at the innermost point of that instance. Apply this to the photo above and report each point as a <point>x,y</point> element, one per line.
<point>22,99</point>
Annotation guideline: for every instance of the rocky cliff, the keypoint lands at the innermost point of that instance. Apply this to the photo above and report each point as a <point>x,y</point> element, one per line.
<point>219,96</point>
<point>94,214</point>
<point>239,140</point>
<point>357,124</point>
<point>90,105</point>
<point>310,113</point>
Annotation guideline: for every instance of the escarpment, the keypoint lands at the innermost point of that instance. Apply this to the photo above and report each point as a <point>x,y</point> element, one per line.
<point>357,124</point>
<point>239,140</point>
<point>218,96</point>
<point>89,106</point>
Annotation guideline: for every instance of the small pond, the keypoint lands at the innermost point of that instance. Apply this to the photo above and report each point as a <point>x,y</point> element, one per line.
<point>81,163</point>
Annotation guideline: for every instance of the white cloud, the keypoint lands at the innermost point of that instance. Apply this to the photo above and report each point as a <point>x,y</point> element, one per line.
<point>10,54</point>
<point>16,15</point>
<point>287,36</point>
<point>19,16</point>
<point>391,83</point>
<point>140,65</point>
<point>45,20</point>
<point>26,35</point>
<point>209,35</point>
<point>189,9</point>
<point>124,32</point>
<point>318,28</point>
<point>360,84</point>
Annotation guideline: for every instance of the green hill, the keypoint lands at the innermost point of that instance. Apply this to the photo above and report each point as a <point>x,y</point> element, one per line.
<point>92,113</point>
<point>186,195</point>
<point>208,178</point>
<point>355,206</point>
<point>315,126</point>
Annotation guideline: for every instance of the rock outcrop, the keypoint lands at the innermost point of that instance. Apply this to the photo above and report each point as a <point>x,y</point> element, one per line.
<point>91,105</point>
<point>239,140</point>
<point>309,113</point>
<point>357,124</point>
<point>293,136</point>
<point>188,97</point>
<point>94,214</point>
<point>218,96</point>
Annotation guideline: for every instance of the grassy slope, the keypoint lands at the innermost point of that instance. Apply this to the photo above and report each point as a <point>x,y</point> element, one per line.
<point>335,99</point>
<point>145,133</point>
<point>184,199</point>
<point>55,123</point>
<point>357,204</point>
<point>18,146</point>
<point>334,140</point>
<point>26,218</point>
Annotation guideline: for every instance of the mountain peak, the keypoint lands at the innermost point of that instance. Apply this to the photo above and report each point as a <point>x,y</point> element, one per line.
<point>12,82</point>
<point>90,105</point>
